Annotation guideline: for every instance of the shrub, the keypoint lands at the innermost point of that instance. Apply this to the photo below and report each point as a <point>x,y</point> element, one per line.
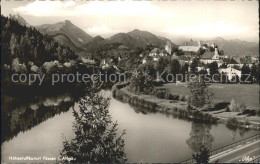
<point>187,98</point>
<point>249,112</point>
<point>236,107</point>
<point>181,98</point>
<point>173,97</point>
<point>246,123</point>
<point>87,147</point>
<point>227,109</point>
<point>202,156</point>
<point>232,123</point>
<point>258,112</point>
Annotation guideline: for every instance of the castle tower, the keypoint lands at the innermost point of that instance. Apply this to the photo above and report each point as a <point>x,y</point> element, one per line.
<point>199,44</point>
<point>168,47</point>
<point>216,51</point>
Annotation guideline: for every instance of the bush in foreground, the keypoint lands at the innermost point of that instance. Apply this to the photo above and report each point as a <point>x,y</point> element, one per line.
<point>96,138</point>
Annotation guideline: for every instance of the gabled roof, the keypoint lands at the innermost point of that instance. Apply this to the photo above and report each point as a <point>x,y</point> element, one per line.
<point>208,55</point>
<point>244,60</point>
<point>163,51</point>
<point>226,60</point>
<point>183,57</point>
<point>230,61</point>
<point>155,50</point>
<point>189,48</point>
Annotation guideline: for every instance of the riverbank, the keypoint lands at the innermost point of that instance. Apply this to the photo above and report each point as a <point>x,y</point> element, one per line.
<point>223,94</point>
<point>177,108</point>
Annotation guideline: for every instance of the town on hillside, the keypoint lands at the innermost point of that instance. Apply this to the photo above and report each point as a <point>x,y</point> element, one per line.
<point>130,82</point>
<point>205,54</point>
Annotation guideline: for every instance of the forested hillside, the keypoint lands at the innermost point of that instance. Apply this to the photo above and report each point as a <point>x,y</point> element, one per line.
<point>29,45</point>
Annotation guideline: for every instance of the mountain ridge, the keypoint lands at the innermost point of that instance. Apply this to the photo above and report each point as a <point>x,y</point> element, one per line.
<point>77,36</point>
<point>78,40</point>
<point>236,47</point>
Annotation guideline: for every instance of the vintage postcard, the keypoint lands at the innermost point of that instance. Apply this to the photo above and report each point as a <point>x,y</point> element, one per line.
<point>126,81</point>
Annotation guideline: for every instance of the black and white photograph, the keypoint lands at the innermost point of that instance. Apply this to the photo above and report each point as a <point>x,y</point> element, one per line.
<point>130,81</point>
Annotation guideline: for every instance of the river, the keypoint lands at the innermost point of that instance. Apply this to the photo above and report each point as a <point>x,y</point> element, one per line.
<point>149,138</point>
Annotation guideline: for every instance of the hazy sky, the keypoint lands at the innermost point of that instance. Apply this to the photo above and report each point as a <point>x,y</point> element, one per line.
<point>203,19</point>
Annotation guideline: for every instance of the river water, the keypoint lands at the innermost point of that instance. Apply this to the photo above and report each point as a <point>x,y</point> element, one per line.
<point>36,129</point>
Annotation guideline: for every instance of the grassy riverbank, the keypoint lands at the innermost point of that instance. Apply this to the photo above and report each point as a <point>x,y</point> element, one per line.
<point>151,103</point>
<point>248,94</point>
<point>180,108</point>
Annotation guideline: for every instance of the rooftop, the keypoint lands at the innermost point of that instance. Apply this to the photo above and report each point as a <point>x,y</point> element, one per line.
<point>189,48</point>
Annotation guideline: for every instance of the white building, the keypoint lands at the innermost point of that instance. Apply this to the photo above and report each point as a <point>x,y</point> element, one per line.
<point>210,57</point>
<point>231,72</point>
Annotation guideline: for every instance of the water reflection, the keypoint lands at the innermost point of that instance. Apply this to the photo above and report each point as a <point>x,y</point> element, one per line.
<point>234,130</point>
<point>20,114</point>
<point>200,142</point>
<point>150,137</point>
<point>200,136</point>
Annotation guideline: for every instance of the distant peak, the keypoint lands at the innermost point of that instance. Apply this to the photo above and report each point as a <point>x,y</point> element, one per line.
<point>19,18</point>
<point>68,22</point>
<point>219,38</point>
<point>136,30</point>
<point>98,38</point>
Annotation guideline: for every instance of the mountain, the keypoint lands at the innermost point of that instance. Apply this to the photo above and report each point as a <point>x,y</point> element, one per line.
<point>26,44</point>
<point>137,38</point>
<point>95,43</point>
<point>67,33</point>
<point>236,47</point>
<point>19,19</point>
<point>123,38</point>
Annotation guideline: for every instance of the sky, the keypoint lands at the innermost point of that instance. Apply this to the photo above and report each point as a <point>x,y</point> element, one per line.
<point>171,19</point>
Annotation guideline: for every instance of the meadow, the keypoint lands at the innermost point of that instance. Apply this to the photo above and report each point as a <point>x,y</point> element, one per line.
<point>248,94</point>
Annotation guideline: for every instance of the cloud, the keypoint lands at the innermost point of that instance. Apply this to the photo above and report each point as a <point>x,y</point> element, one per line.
<point>219,28</point>
<point>102,30</point>
<point>43,8</point>
<point>99,29</point>
<point>95,8</point>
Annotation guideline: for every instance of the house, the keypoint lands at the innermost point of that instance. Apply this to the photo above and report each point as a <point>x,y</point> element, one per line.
<point>89,61</point>
<point>184,59</point>
<point>210,57</point>
<point>244,60</point>
<point>156,53</point>
<point>255,59</point>
<point>230,62</point>
<point>145,59</point>
<point>211,44</point>
<point>230,72</point>
<point>201,67</point>
<point>190,47</point>
<point>163,53</point>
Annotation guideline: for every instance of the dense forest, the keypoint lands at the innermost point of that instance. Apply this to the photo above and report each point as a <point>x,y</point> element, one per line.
<point>28,46</point>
